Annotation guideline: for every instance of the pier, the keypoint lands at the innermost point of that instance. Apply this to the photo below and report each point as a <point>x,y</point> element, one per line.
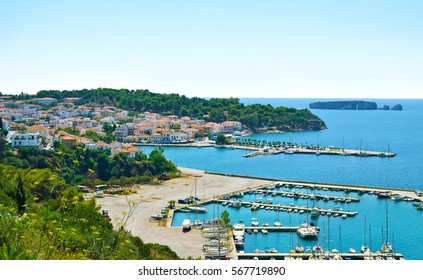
<point>274,151</point>
<point>288,208</point>
<point>321,186</point>
<point>320,256</point>
<point>324,151</point>
<point>276,229</point>
<point>310,196</point>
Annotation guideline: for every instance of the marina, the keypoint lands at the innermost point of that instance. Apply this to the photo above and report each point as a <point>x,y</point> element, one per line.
<point>259,205</point>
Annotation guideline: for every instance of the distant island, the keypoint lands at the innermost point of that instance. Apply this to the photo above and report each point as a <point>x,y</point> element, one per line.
<point>351,105</point>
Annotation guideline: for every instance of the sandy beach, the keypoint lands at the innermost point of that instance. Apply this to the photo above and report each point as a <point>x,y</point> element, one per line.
<point>153,198</point>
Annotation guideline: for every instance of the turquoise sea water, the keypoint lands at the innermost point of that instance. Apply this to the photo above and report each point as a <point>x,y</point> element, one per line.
<point>399,131</point>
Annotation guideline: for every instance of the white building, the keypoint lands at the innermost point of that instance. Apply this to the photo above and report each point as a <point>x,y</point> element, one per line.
<point>25,140</point>
<point>231,126</point>
<point>99,145</point>
<point>178,137</point>
<point>121,132</point>
<point>42,130</point>
<point>129,150</point>
<point>45,101</point>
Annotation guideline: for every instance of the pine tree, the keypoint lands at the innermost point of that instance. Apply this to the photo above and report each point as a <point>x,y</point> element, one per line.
<point>20,196</point>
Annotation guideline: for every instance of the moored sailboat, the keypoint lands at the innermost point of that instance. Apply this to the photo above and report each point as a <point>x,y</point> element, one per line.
<point>386,246</point>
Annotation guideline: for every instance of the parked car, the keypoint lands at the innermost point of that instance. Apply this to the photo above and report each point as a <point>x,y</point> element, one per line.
<point>99,194</point>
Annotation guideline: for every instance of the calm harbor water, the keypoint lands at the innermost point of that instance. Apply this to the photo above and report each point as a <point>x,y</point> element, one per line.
<point>397,131</point>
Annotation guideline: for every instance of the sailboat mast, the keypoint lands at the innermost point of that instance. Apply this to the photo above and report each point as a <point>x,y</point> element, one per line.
<point>290,234</point>
<point>218,229</point>
<point>387,237</point>
<point>329,234</point>
<point>364,238</point>
<point>195,188</point>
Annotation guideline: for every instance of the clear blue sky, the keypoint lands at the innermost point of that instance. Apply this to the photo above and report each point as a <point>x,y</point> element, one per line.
<point>215,48</point>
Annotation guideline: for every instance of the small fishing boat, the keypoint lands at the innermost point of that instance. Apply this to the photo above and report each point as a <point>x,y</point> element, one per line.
<point>271,250</point>
<point>254,222</point>
<point>277,223</point>
<point>317,248</point>
<point>397,197</point>
<point>299,249</point>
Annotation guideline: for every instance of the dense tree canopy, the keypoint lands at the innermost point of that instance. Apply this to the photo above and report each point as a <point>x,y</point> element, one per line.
<point>88,166</point>
<point>43,216</point>
<point>64,226</point>
<point>215,109</point>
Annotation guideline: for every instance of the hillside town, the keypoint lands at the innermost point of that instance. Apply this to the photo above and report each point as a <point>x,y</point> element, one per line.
<point>40,122</point>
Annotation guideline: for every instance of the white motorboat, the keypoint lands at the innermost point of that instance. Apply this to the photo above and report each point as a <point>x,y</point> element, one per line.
<point>197,223</point>
<point>238,230</point>
<point>277,223</point>
<point>314,213</point>
<point>307,231</point>
<point>365,249</point>
<point>271,250</point>
<point>197,209</point>
<point>215,243</point>
<point>239,242</point>
<point>213,230</point>
<point>215,235</point>
<point>254,222</point>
